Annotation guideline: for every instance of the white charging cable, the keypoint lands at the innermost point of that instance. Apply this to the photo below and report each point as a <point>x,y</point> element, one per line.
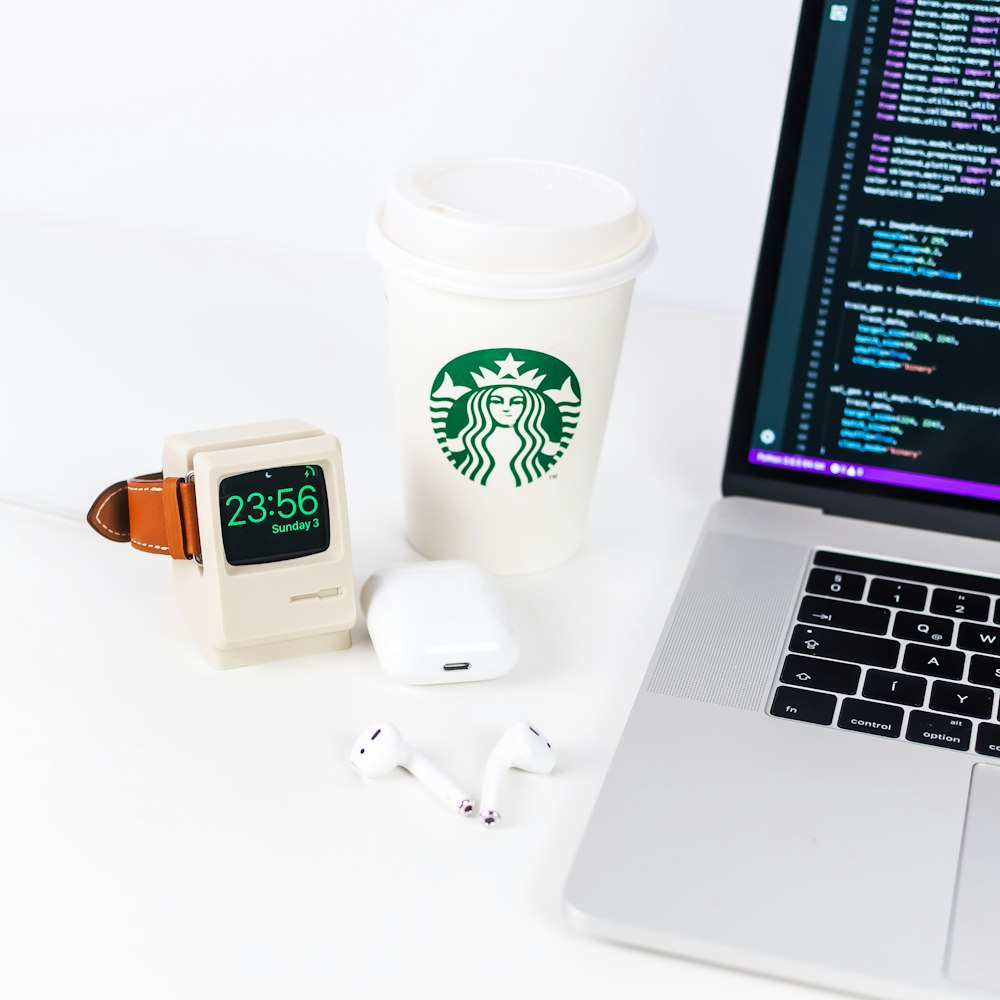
<point>41,507</point>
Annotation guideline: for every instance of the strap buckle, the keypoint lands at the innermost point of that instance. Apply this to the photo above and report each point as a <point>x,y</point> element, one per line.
<point>189,478</point>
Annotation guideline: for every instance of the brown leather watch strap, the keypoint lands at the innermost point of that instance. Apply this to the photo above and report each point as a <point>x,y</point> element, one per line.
<point>153,512</point>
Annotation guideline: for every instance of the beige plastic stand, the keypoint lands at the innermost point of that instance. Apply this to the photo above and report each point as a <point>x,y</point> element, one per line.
<point>254,614</point>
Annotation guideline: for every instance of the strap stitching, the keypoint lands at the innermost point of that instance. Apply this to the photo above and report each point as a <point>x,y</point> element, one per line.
<point>150,545</point>
<point>148,489</point>
<point>97,515</point>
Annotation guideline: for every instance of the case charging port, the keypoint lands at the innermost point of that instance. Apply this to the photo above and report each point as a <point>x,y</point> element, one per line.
<point>456,666</point>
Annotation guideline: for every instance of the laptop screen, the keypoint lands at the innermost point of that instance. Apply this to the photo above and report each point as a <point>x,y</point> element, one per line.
<point>881,362</point>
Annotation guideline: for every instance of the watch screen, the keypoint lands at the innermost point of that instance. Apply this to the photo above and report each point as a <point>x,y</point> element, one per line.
<point>274,514</point>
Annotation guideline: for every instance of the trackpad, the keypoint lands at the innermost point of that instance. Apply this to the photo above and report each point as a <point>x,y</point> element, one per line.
<point>973,954</point>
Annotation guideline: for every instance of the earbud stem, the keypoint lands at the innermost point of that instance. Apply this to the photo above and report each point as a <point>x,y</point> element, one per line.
<point>491,802</point>
<point>438,784</point>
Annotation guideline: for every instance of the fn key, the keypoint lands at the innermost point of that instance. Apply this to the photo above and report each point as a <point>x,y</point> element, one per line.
<point>805,706</point>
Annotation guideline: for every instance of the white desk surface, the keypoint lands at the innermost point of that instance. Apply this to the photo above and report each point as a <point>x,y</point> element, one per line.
<point>168,830</point>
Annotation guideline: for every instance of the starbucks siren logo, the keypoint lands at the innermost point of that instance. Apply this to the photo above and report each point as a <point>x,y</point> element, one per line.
<point>504,415</point>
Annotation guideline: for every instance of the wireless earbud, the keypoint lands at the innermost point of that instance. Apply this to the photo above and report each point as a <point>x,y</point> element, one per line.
<point>523,747</point>
<point>380,749</point>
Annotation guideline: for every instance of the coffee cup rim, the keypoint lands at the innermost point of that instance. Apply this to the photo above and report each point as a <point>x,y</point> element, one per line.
<point>512,284</point>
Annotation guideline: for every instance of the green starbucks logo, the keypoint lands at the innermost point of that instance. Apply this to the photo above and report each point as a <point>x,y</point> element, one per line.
<point>505,415</point>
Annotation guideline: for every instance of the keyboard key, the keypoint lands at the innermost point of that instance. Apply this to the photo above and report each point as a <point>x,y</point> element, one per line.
<point>812,672</point>
<point>894,594</point>
<point>830,583</point>
<point>988,739</point>
<point>834,645</point>
<point>805,706</point>
<point>939,730</point>
<point>914,574</point>
<point>984,670</point>
<point>841,614</point>
<point>960,699</point>
<point>959,604</point>
<point>946,663</point>
<point>887,685</point>
<point>923,628</point>
<point>870,717</point>
<point>978,638</point>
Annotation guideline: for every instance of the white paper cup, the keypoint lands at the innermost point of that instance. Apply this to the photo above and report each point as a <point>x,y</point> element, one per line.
<point>508,284</point>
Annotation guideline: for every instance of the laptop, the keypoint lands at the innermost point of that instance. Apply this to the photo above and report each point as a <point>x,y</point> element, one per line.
<point>808,784</point>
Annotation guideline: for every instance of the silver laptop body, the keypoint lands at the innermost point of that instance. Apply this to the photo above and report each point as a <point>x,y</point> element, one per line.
<point>808,785</point>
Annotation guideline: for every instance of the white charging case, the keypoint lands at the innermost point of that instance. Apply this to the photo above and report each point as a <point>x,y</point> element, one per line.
<point>439,622</point>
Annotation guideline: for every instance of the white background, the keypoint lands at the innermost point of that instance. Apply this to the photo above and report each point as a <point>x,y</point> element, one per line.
<point>279,124</point>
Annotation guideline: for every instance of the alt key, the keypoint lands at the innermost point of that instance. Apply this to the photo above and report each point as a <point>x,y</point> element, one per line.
<point>939,730</point>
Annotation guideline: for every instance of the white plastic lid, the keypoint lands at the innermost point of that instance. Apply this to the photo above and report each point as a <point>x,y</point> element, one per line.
<point>511,228</point>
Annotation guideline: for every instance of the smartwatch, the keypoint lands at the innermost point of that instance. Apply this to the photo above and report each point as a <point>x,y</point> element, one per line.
<point>255,520</point>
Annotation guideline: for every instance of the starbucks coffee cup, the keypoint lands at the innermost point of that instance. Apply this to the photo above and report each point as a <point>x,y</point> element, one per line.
<point>508,284</point>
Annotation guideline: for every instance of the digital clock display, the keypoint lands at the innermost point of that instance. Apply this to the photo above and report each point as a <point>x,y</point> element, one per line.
<point>274,514</point>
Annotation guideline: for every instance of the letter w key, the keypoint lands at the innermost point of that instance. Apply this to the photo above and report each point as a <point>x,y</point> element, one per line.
<point>979,638</point>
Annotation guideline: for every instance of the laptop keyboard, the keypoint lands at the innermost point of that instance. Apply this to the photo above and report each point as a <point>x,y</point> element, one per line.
<point>897,651</point>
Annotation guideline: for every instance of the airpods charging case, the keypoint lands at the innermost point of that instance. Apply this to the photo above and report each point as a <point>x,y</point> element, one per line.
<point>439,622</point>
